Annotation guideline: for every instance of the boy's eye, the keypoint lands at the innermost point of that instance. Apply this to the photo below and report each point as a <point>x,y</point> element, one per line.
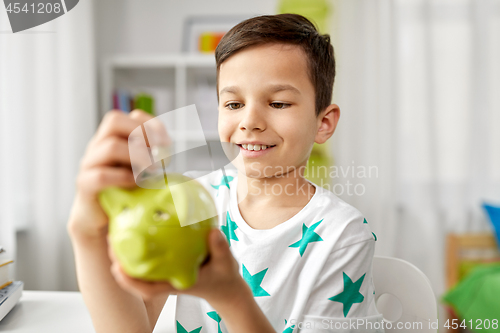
<point>231,107</point>
<point>276,105</point>
<point>279,105</point>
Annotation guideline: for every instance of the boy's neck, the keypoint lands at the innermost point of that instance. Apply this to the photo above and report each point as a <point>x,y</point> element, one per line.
<point>267,202</point>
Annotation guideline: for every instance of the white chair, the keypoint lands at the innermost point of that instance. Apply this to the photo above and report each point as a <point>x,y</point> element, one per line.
<point>404,296</point>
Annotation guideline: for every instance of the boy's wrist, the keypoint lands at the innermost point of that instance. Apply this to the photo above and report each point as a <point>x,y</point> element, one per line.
<point>241,313</point>
<point>87,220</point>
<point>236,300</point>
<point>80,234</point>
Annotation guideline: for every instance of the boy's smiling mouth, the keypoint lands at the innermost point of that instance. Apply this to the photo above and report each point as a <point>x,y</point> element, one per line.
<point>254,149</point>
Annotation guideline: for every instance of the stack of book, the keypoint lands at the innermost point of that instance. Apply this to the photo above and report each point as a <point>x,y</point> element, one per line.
<point>10,291</point>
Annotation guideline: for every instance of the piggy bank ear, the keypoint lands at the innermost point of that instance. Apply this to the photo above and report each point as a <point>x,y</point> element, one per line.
<point>113,200</point>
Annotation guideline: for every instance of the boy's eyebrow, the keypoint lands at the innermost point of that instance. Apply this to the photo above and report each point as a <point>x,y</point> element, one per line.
<point>272,88</point>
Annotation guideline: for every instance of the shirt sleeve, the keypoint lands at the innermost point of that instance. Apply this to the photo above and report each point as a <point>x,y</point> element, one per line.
<point>343,298</point>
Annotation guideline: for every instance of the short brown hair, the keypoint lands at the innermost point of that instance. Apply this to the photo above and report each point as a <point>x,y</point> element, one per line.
<point>287,29</point>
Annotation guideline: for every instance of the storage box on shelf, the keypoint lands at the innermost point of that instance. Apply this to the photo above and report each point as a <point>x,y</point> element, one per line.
<point>174,81</point>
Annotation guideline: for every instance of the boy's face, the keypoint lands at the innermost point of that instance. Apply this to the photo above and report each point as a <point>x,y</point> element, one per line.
<point>266,95</point>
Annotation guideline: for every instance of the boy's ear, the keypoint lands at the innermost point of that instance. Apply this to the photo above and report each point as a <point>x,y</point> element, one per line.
<point>327,122</point>
<point>113,199</point>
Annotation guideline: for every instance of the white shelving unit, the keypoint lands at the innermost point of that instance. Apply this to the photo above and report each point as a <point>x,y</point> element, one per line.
<point>178,77</point>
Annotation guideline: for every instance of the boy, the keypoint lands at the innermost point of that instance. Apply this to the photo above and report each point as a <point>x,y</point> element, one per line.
<point>291,255</point>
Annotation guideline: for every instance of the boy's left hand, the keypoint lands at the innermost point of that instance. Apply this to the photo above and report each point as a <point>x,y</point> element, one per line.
<point>219,281</point>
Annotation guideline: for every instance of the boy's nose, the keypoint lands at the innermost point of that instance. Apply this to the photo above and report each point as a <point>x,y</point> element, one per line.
<point>253,119</point>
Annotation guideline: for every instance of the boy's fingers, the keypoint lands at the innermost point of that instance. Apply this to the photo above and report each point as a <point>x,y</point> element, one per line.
<point>145,289</point>
<point>111,253</point>
<point>118,123</point>
<point>115,123</point>
<point>140,115</point>
<point>156,132</point>
<point>110,151</point>
<point>218,244</point>
<point>96,179</point>
<point>120,138</point>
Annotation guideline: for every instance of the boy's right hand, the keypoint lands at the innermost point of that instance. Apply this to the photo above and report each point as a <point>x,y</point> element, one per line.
<point>106,163</point>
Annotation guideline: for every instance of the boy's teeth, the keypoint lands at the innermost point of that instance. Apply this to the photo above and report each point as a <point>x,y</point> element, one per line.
<point>254,147</point>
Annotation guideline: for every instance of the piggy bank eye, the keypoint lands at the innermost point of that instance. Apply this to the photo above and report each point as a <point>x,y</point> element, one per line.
<point>161,216</point>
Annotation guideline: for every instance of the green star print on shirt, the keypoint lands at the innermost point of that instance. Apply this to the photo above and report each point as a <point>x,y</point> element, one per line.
<point>288,329</point>
<point>351,293</point>
<point>215,316</point>
<point>375,236</point>
<point>254,282</point>
<point>225,180</point>
<point>229,229</point>
<point>308,236</point>
<point>181,329</point>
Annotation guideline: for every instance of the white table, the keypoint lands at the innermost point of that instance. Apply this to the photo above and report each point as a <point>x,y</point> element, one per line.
<point>63,312</point>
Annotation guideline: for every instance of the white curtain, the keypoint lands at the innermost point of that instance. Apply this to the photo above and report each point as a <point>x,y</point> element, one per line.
<point>418,87</point>
<point>47,115</point>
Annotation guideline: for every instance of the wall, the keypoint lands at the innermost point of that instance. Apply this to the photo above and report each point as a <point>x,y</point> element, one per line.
<point>155,26</point>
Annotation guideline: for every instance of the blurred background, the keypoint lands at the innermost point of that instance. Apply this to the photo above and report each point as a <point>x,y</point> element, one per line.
<point>417,148</point>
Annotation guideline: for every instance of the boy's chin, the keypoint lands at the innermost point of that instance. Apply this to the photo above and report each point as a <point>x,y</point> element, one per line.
<point>259,171</point>
<point>253,170</point>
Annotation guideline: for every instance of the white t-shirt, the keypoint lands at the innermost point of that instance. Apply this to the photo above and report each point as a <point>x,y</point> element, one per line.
<point>312,272</point>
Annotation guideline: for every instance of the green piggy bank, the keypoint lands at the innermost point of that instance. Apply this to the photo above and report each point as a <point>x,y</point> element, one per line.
<point>155,239</point>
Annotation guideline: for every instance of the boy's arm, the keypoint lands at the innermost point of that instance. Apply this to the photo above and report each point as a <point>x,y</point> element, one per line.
<point>106,163</point>
<point>244,315</point>
<point>154,308</point>
<point>112,309</point>
<point>219,283</point>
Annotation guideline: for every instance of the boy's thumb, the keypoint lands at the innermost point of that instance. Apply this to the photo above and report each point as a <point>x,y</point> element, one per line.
<point>218,243</point>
